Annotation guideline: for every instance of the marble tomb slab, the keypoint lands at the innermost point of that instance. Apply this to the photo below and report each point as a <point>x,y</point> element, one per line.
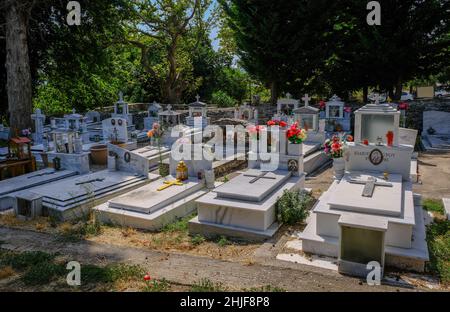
<point>148,199</point>
<point>33,179</point>
<point>385,200</point>
<point>248,187</point>
<point>70,189</point>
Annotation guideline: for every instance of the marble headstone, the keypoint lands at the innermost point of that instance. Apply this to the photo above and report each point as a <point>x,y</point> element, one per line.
<point>115,129</point>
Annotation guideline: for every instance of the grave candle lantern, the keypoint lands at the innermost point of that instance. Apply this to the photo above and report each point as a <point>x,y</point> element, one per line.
<point>390,138</point>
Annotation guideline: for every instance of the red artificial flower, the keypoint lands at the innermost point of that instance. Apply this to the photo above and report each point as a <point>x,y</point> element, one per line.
<point>322,104</point>
<point>271,123</point>
<point>349,138</point>
<point>147,277</point>
<point>366,142</point>
<point>283,124</point>
<point>335,147</point>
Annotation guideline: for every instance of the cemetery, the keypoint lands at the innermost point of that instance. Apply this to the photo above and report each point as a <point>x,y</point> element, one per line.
<point>257,161</point>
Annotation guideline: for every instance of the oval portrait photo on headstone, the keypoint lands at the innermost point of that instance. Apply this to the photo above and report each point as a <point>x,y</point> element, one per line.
<point>376,157</point>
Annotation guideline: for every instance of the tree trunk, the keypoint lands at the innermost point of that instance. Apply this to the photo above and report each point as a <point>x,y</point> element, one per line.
<point>366,94</point>
<point>398,90</point>
<point>18,65</point>
<point>274,92</point>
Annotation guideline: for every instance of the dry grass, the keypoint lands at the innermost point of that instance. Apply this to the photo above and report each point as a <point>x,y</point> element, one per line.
<point>6,272</point>
<point>177,241</point>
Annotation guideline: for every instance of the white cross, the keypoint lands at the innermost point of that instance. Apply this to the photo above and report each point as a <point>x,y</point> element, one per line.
<point>169,107</point>
<point>198,98</point>
<point>377,98</point>
<point>288,95</point>
<point>120,97</point>
<point>306,99</point>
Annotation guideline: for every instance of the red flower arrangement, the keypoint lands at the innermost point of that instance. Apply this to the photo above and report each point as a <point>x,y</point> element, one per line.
<point>335,147</point>
<point>272,123</point>
<point>296,135</point>
<point>403,106</point>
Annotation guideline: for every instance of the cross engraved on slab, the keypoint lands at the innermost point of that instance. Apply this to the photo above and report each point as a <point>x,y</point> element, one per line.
<point>168,184</point>
<point>42,174</point>
<point>369,185</point>
<point>90,181</point>
<point>258,177</point>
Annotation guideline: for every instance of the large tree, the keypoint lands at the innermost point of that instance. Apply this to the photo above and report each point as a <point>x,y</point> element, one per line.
<point>166,25</point>
<point>19,89</point>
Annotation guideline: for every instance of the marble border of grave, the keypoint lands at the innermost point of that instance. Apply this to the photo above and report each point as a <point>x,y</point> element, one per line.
<point>128,161</point>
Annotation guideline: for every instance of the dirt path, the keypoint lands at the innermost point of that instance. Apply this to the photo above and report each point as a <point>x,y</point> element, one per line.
<point>434,171</point>
<point>188,269</point>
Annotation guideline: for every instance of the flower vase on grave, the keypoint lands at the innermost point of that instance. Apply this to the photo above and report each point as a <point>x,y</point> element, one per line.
<point>296,136</point>
<point>112,161</point>
<point>339,167</point>
<point>295,149</point>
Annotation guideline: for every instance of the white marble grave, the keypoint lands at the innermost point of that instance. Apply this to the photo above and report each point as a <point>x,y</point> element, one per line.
<point>244,207</point>
<point>159,203</point>
<point>371,214</point>
<point>198,114</point>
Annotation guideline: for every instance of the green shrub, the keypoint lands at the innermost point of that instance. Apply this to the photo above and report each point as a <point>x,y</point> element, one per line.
<point>223,241</point>
<point>292,207</point>
<point>43,273</point>
<point>222,99</point>
<point>434,205</point>
<point>197,240</point>
<point>22,261</point>
<point>157,286</point>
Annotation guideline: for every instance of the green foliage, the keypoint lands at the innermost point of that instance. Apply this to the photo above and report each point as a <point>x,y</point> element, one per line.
<point>292,207</point>
<point>43,273</point>
<point>223,241</point>
<point>157,286</point>
<point>21,261</point>
<point>222,99</point>
<point>206,285</point>
<point>438,239</point>
<point>81,229</point>
<point>180,225</point>
<point>197,240</point>
<point>434,205</point>
<point>110,273</point>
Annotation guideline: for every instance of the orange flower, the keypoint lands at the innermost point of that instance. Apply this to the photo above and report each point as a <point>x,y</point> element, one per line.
<point>150,134</point>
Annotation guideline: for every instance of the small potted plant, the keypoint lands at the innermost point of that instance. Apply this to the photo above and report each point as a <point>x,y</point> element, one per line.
<point>296,136</point>
<point>334,148</point>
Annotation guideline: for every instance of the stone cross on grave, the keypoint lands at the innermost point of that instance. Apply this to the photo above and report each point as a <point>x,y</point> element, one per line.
<point>377,99</point>
<point>198,98</point>
<point>262,175</point>
<point>369,185</point>
<point>120,97</point>
<point>306,99</point>
<point>169,107</point>
<point>288,95</point>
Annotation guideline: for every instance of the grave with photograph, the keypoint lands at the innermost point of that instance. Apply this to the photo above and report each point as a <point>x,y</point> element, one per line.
<point>244,207</point>
<point>371,214</point>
